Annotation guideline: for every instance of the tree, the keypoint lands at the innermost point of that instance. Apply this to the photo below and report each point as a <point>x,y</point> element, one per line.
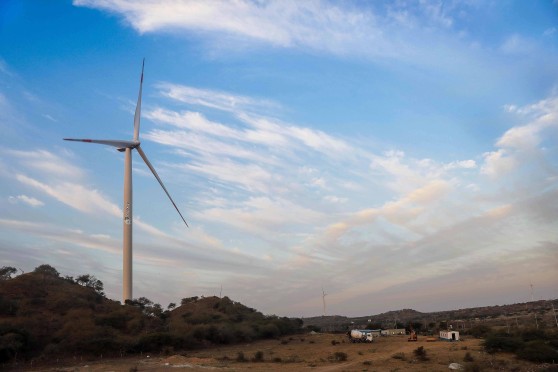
<point>90,281</point>
<point>171,306</point>
<point>6,272</point>
<point>374,326</point>
<point>188,300</point>
<point>47,270</point>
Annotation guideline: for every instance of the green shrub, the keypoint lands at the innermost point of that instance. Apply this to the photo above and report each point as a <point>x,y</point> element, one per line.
<point>533,334</point>
<point>480,330</point>
<point>538,351</point>
<point>269,331</point>
<point>495,343</point>
<point>155,342</point>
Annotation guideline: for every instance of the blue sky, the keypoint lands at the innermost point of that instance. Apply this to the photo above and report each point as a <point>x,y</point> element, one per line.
<point>398,154</point>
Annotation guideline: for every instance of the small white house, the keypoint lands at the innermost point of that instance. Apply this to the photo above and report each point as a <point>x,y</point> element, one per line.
<point>449,335</point>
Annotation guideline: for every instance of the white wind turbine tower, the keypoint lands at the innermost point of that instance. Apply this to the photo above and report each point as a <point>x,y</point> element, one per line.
<point>323,299</point>
<point>127,146</point>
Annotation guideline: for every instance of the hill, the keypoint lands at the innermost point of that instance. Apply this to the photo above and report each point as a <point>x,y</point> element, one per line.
<point>524,315</point>
<point>44,315</point>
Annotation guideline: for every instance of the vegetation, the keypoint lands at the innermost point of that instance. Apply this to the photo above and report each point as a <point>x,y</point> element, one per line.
<point>531,344</point>
<point>44,315</point>
<point>340,356</point>
<point>420,354</point>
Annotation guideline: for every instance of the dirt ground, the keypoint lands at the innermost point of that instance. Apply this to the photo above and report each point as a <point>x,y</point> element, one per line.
<point>314,352</point>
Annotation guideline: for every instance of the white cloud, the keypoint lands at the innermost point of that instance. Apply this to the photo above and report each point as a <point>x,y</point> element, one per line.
<point>213,99</point>
<point>497,163</point>
<point>47,116</point>
<point>522,144</point>
<point>46,163</point>
<point>26,200</point>
<point>281,23</point>
<point>74,195</point>
<point>464,164</point>
<point>378,31</point>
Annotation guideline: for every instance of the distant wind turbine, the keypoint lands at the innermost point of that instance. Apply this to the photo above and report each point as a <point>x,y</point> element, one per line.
<point>127,146</point>
<point>323,298</point>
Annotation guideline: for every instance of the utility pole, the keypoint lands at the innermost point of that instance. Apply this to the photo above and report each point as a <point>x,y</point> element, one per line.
<point>554,312</point>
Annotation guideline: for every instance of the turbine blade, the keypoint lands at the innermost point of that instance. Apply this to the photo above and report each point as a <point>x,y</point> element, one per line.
<point>144,157</point>
<point>115,143</point>
<point>138,107</point>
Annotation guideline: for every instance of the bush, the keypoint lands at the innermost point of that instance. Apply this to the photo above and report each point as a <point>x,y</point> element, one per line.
<point>468,357</point>
<point>156,342</point>
<point>340,356</point>
<point>473,367</point>
<point>258,356</point>
<point>533,334</point>
<point>495,343</point>
<point>240,357</point>
<point>269,331</point>
<point>400,356</point>
<point>420,353</point>
<point>480,330</point>
<point>538,351</point>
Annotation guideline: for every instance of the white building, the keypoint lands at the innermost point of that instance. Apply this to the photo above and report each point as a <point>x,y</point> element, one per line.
<point>449,335</point>
<point>393,332</point>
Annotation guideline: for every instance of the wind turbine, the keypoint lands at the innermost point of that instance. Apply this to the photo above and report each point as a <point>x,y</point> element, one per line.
<point>323,299</point>
<point>127,146</point>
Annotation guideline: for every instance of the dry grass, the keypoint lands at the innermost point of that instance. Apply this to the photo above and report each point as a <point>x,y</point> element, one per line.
<point>318,352</point>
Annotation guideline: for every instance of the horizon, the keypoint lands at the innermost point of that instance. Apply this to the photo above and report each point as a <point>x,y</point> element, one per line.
<point>177,303</point>
<point>394,155</point>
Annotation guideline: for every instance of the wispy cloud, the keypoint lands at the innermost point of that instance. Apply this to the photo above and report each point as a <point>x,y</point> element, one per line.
<point>46,163</point>
<point>377,31</point>
<point>214,99</point>
<point>29,200</point>
<point>73,195</point>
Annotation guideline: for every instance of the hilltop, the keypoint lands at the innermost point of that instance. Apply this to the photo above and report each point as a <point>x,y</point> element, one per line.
<point>43,314</point>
